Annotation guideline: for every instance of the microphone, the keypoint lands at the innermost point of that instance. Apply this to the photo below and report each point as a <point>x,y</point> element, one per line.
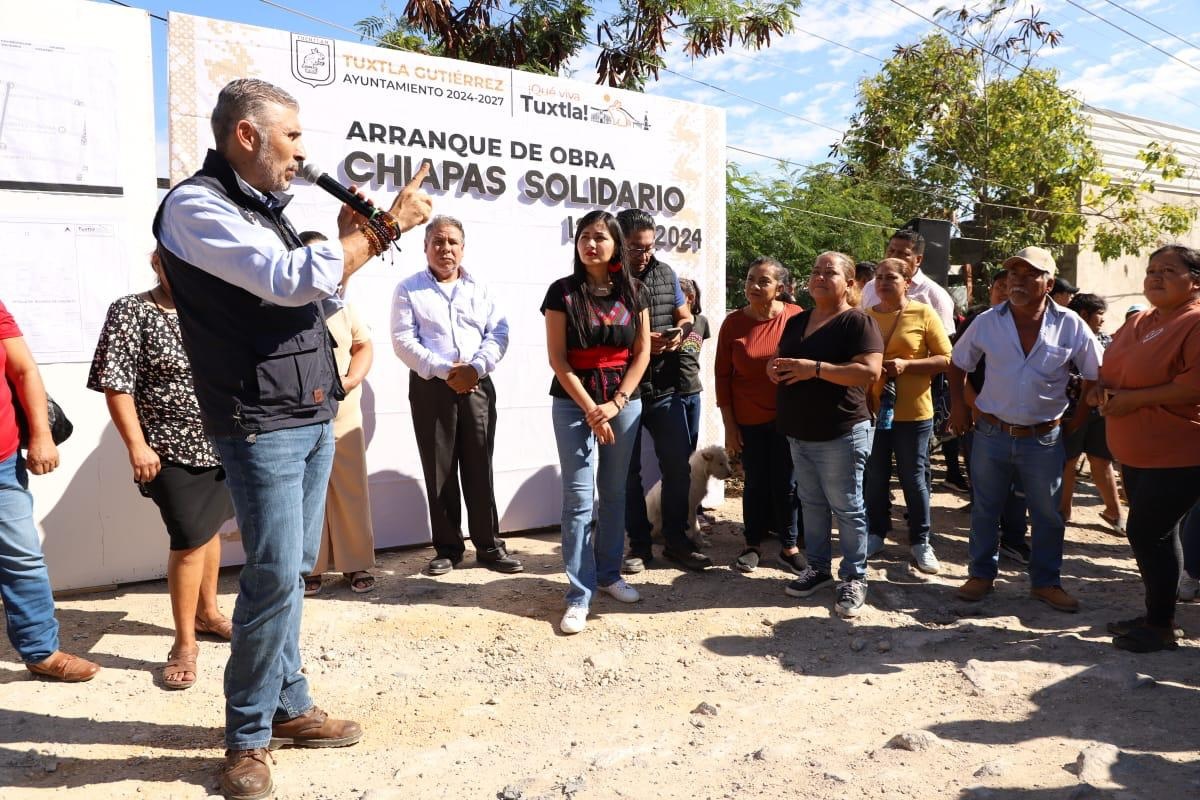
<point>318,177</point>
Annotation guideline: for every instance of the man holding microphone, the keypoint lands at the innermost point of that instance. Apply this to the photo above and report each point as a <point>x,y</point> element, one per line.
<point>249,296</point>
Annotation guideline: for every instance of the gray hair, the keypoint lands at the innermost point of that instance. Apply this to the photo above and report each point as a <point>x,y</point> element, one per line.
<point>444,221</point>
<point>245,98</point>
<point>778,271</point>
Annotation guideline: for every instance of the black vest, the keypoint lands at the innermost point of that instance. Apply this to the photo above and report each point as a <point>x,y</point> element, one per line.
<point>662,376</point>
<point>257,366</point>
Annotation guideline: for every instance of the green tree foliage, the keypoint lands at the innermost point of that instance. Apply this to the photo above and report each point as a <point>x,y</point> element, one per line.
<point>792,217</point>
<point>967,127</point>
<point>543,35</point>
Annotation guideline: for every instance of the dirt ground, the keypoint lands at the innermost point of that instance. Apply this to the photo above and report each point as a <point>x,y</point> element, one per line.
<point>714,686</point>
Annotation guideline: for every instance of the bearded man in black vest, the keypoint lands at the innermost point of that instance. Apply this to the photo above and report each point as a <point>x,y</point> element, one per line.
<point>249,294</point>
<point>663,414</point>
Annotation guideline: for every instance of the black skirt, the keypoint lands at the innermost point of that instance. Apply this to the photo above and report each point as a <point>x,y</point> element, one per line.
<point>194,502</point>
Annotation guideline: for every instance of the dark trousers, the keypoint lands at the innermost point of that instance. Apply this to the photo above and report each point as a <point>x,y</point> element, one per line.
<point>456,435</point>
<point>769,500</point>
<point>665,418</point>
<point>1190,539</point>
<point>1158,501</point>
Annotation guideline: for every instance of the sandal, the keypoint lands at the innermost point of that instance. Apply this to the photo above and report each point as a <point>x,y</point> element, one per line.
<point>1118,527</point>
<point>222,628</point>
<point>747,561</point>
<point>312,585</point>
<point>180,663</point>
<point>361,581</point>
<point>1144,639</point>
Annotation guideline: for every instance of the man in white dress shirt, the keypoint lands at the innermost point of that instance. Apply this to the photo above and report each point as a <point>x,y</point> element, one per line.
<point>448,331</point>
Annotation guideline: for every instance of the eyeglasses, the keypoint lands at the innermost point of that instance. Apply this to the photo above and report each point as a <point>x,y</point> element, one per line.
<point>639,251</point>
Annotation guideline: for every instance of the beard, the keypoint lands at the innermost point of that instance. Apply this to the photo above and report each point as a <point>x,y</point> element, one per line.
<point>271,164</point>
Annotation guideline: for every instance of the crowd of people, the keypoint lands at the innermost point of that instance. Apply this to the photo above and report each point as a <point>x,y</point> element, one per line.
<point>234,384</point>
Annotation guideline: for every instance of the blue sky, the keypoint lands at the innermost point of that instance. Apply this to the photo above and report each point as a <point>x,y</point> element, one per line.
<point>809,84</point>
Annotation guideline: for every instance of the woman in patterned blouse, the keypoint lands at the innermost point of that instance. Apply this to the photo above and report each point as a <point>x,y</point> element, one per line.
<point>141,367</point>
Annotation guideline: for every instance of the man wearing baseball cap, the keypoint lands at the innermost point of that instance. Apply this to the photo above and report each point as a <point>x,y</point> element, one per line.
<point>1030,344</point>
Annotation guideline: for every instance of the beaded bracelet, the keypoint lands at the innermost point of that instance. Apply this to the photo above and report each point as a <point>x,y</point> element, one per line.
<point>374,242</point>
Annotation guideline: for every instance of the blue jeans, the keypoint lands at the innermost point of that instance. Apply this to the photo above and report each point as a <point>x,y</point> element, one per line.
<point>24,581</point>
<point>1035,463</point>
<point>829,478</point>
<point>909,441</point>
<point>666,421</point>
<point>691,410</point>
<point>593,496</point>
<point>769,492</point>
<point>278,483</point>
<point>1012,519</point>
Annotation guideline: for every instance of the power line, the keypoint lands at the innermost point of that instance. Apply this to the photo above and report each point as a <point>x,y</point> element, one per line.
<point>1157,27</point>
<point>1132,35</point>
<point>377,40</point>
<point>152,15</point>
<point>1043,81</point>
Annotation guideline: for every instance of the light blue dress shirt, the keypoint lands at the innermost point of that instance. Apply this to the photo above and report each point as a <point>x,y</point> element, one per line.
<point>1021,389</point>
<point>436,325</point>
<point>210,232</point>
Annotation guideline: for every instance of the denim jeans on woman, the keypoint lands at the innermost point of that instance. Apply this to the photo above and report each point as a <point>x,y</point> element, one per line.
<point>909,442</point>
<point>278,482</point>
<point>829,478</point>
<point>997,461</point>
<point>769,492</point>
<point>24,581</point>
<point>593,496</point>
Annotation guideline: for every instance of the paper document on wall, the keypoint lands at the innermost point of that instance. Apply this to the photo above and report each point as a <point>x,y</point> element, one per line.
<point>60,277</point>
<point>58,125</point>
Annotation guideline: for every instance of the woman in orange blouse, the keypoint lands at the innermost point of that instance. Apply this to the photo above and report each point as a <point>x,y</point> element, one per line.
<point>746,397</point>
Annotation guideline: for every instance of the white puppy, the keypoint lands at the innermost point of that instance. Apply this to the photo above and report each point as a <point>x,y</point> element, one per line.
<point>708,462</point>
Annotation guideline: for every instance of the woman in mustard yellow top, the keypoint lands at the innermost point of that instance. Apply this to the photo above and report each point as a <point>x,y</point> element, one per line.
<point>915,349</point>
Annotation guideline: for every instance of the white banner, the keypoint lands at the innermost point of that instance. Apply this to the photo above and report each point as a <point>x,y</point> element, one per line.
<point>517,157</point>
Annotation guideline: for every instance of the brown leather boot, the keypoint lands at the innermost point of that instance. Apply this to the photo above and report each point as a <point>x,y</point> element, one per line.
<point>64,667</point>
<point>1056,598</point>
<point>315,729</point>
<point>246,775</point>
<point>975,589</point>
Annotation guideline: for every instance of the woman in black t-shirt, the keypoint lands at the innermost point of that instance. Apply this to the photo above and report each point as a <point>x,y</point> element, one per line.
<point>598,340</point>
<point>827,357</point>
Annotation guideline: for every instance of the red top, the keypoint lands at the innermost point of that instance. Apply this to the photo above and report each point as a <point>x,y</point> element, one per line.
<point>8,416</point>
<point>744,346</point>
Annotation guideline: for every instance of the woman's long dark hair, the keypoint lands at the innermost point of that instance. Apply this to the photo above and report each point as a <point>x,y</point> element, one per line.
<point>689,286</point>
<point>580,308</point>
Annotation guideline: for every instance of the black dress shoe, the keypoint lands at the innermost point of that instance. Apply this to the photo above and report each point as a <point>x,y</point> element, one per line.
<point>441,565</point>
<point>500,563</point>
<point>695,561</point>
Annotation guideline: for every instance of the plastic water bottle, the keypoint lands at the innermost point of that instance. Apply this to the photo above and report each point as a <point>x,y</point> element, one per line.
<point>887,405</point>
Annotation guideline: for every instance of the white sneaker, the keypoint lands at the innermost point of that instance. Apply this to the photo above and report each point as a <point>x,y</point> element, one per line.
<point>1189,588</point>
<point>926,561</point>
<point>574,620</point>
<point>621,591</point>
